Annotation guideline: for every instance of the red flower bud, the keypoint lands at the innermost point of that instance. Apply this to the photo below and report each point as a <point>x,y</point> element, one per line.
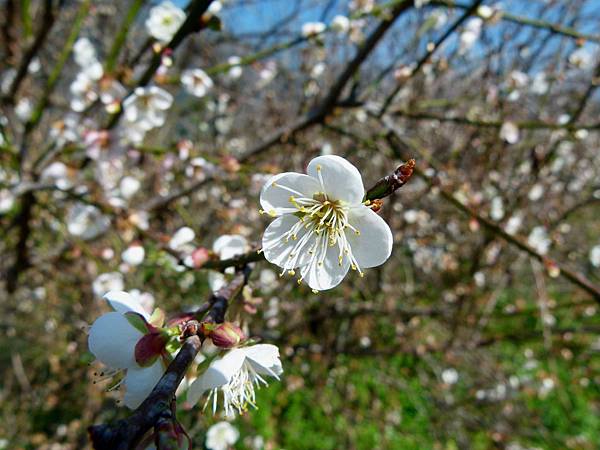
<point>227,335</point>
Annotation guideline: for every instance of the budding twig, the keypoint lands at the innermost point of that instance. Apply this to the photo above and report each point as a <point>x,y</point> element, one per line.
<point>392,182</point>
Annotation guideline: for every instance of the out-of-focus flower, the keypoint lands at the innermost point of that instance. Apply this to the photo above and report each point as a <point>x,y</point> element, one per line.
<point>164,21</point>
<point>133,255</point>
<point>539,240</point>
<point>125,340</point>
<point>57,173</point>
<point>536,192</point>
<point>196,82</point>
<point>86,221</point>
<point>7,200</point>
<point>470,34</point>
<point>497,209</point>
<point>147,107</point>
<point>540,84</point>
<point>236,375</point>
<point>24,109</point>
<point>312,29</point>
<point>182,237</point>
<point>509,132</point>
<point>340,24</point>
<point>450,376</point>
<point>582,58</point>
<point>235,71</point>
<point>322,225</point>
<point>226,247</point>
<point>106,282</point>
<point>595,256</point>
<point>420,3</point>
<point>221,436</point>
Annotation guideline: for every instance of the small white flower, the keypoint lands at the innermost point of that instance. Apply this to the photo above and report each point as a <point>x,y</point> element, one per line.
<point>113,339</point>
<point>582,58</point>
<point>340,24</point>
<point>497,209</point>
<point>83,89</point>
<point>7,200</point>
<point>509,132</point>
<point>221,436</point>
<point>181,238</point>
<point>106,282</point>
<point>164,21</point>
<point>236,374</point>
<point>539,240</point>
<point>470,34</point>
<point>24,109</point>
<point>513,224</point>
<point>147,107</point>
<point>450,376</point>
<point>536,192</point>
<point>129,186</point>
<point>86,221</point>
<point>322,225</point>
<point>84,52</point>
<point>133,255</point>
<point>226,247</point>
<point>311,29</point>
<point>236,70</point>
<point>595,256</point>
<point>196,82</point>
<point>539,84</point>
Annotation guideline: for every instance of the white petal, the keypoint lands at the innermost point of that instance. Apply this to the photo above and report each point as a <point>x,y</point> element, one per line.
<point>330,274</point>
<point>374,244</point>
<point>342,181</point>
<point>112,340</point>
<point>277,250</point>
<point>265,359</point>
<point>123,302</point>
<point>216,280</point>
<point>218,374</point>
<point>230,245</point>
<point>140,381</point>
<point>275,199</point>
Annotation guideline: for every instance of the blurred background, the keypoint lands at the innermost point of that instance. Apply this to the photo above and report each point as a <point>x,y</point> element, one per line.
<point>482,329</point>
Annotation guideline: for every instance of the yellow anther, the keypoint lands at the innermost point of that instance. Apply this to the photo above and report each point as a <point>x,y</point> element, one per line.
<point>314,291</point>
<point>353,267</point>
<point>261,211</point>
<point>272,213</point>
<point>318,166</point>
<point>291,272</point>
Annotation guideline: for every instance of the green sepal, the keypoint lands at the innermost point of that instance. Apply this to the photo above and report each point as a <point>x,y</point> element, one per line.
<point>137,321</point>
<point>157,318</point>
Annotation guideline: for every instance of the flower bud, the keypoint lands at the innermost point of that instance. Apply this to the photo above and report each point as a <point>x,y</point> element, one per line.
<point>227,335</point>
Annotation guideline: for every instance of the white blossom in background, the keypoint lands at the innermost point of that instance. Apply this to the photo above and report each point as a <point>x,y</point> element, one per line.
<point>24,109</point>
<point>420,3</point>
<point>86,221</point>
<point>450,376</point>
<point>182,238</point>
<point>235,376</point>
<point>497,209</point>
<point>509,132</point>
<point>321,224</point>
<point>312,29</point>
<point>364,6</point>
<point>513,224</point>
<point>470,34</point>
<point>196,82</point>
<point>340,24</point>
<point>7,200</point>
<point>215,7</point>
<point>536,192</point>
<point>582,58</point>
<point>129,186</point>
<point>106,282</point>
<point>267,73</point>
<point>236,69</point>
<point>539,240</point>
<point>221,436</point>
<point>147,107</point>
<point>595,256</point>
<point>540,84</point>
<point>112,340</point>
<point>164,21</point>
<point>83,91</point>
<point>84,52</point>
<point>58,174</point>
<point>133,255</point>
<point>226,247</point>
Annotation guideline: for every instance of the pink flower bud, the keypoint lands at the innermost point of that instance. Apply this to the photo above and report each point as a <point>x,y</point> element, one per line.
<point>227,335</point>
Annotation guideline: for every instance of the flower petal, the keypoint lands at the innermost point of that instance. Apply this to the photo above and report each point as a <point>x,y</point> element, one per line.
<point>277,250</point>
<point>330,274</point>
<point>265,359</point>
<point>216,280</point>
<point>276,193</point>
<point>123,302</point>
<point>374,244</point>
<point>112,340</point>
<point>341,180</point>
<point>230,245</point>
<point>139,382</point>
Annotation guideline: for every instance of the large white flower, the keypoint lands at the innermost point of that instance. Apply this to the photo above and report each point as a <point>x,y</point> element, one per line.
<point>147,107</point>
<point>114,339</point>
<point>164,21</point>
<point>221,436</point>
<point>323,226</point>
<point>236,374</point>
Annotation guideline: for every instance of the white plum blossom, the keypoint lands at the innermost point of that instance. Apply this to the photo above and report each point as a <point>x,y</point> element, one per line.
<point>470,34</point>
<point>182,238</point>
<point>539,240</point>
<point>106,282</point>
<point>450,375</point>
<point>340,24</point>
<point>196,82</point>
<point>129,186</point>
<point>236,375</point>
<point>322,225</point>
<point>147,107</point>
<point>113,338</point>
<point>235,71</point>
<point>497,209</point>
<point>164,21</point>
<point>312,29</point>
<point>226,247</point>
<point>509,132</point>
<point>7,200</point>
<point>133,255</point>
<point>24,109</point>
<point>582,58</point>
<point>595,256</point>
<point>221,436</point>
<point>86,221</point>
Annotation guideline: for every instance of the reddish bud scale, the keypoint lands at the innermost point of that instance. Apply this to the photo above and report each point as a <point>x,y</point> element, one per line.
<point>227,335</point>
